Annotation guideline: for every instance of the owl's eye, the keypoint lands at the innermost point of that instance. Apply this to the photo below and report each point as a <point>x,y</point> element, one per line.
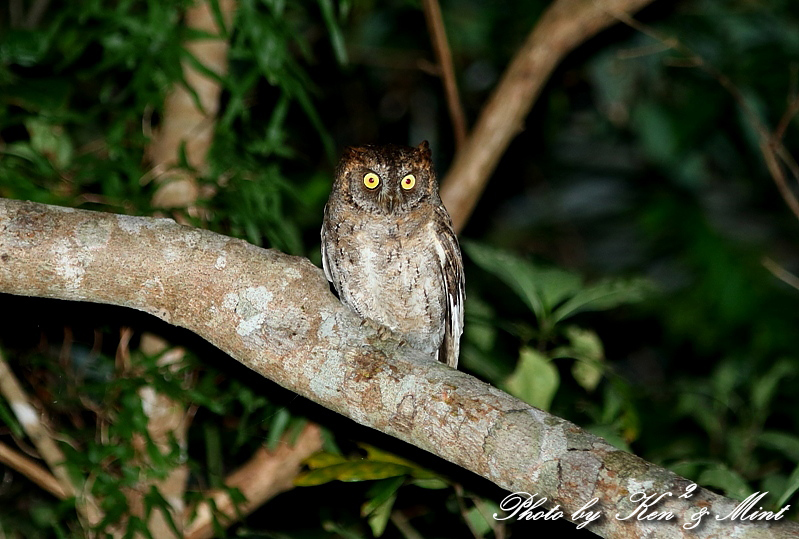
<point>408,181</point>
<point>371,180</point>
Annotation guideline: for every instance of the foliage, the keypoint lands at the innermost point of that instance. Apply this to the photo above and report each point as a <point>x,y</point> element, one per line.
<point>614,264</point>
<point>553,295</point>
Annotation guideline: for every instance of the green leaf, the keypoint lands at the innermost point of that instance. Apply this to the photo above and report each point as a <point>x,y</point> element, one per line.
<point>154,500</point>
<point>604,295</point>
<point>279,424</point>
<point>790,489</point>
<point>378,519</point>
<point>657,131</point>
<point>729,481</point>
<point>431,484</point>
<point>375,454</point>
<point>478,517</point>
<point>10,420</point>
<point>23,47</point>
<point>323,459</point>
<point>724,380</point>
<point>764,388</point>
<point>540,288</point>
<point>587,374</point>
<point>379,493</point>
<point>336,37</point>
<point>586,348</point>
<point>535,379</point>
<point>787,444</point>
<point>213,453</point>
<point>378,464</point>
<point>364,470</point>
<point>610,435</point>
<point>50,141</point>
<point>480,329</point>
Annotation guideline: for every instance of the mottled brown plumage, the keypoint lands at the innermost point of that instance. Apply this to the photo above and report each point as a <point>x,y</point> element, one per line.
<point>389,249</point>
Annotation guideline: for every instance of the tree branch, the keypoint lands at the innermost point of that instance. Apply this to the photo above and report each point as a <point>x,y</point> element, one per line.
<point>771,145</point>
<point>438,37</point>
<point>565,25</point>
<point>28,418</point>
<point>190,109</point>
<point>264,476</point>
<point>276,315</point>
<point>31,469</point>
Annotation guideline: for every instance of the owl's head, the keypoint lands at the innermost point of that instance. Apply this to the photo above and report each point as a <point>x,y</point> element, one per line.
<point>390,179</point>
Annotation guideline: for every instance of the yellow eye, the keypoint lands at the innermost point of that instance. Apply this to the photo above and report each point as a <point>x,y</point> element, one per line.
<point>408,181</point>
<point>371,180</point>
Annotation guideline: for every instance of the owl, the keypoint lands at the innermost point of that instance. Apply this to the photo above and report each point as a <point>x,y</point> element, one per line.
<point>389,248</point>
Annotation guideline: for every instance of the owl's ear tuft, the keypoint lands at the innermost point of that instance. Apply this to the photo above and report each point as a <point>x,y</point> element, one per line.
<point>353,152</point>
<point>424,148</point>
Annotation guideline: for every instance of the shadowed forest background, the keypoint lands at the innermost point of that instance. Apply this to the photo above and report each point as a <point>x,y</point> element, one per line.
<point>631,265</point>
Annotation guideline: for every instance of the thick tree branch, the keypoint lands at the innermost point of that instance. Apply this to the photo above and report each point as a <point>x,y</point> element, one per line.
<point>189,114</point>
<point>565,25</point>
<point>187,124</point>
<point>276,315</point>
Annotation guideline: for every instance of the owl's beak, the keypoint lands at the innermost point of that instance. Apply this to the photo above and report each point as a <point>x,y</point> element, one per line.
<point>388,200</point>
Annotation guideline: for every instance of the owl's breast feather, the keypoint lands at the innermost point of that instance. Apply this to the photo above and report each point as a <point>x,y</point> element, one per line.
<point>387,271</point>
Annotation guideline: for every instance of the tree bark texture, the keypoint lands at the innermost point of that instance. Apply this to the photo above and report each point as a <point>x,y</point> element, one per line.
<point>275,314</point>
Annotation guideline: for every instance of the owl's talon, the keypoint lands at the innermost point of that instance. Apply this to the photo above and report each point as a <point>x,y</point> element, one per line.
<point>383,332</point>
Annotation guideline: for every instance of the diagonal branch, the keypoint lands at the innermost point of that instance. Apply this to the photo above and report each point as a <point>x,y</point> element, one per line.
<point>30,469</point>
<point>770,143</point>
<point>438,35</point>
<point>265,475</point>
<point>29,419</point>
<point>565,25</point>
<point>275,314</point>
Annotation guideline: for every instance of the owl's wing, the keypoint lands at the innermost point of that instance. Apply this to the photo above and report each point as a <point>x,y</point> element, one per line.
<point>326,265</point>
<point>451,265</point>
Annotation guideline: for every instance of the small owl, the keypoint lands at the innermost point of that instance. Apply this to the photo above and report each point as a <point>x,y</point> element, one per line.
<point>389,249</point>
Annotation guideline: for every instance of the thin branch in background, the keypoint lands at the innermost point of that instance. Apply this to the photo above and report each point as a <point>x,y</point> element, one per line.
<point>781,273</point>
<point>778,175</point>
<point>464,511</point>
<point>167,423</point>
<point>35,13</point>
<point>438,37</point>
<point>788,115</point>
<point>497,526</point>
<point>788,160</point>
<point>563,27</point>
<point>30,421</point>
<point>28,418</point>
<point>32,470</point>
<point>643,51</point>
<point>15,13</point>
<point>404,526</point>
<point>770,143</point>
